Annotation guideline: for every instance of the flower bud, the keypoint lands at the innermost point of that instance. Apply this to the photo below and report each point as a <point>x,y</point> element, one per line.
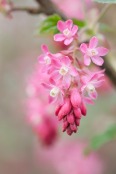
<point>65,125</point>
<point>75,98</point>
<point>77,112</point>
<point>70,118</point>
<point>69,131</point>
<point>65,109</point>
<point>83,109</point>
<point>73,127</point>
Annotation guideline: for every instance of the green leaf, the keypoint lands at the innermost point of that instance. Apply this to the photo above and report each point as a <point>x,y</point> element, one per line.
<point>105,137</point>
<point>106,1</point>
<point>79,23</point>
<point>49,25</point>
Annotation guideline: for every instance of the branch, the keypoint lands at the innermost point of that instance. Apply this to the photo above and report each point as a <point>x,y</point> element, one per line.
<point>27,9</point>
<point>110,71</point>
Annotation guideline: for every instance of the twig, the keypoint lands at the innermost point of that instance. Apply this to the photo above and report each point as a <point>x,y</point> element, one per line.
<point>110,72</point>
<point>27,9</point>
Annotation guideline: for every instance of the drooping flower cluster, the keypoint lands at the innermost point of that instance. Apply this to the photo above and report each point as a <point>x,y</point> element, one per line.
<point>71,83</point>
<point>42,121</point>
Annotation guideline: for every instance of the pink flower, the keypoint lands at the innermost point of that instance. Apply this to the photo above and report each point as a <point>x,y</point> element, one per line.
<point>47,59</point>
<point>90,82</point>
<point>64,72</point>
<point>39,112</point>
<point>67,157</point>
<point>55,92</point>
<point>68,32</point>
<point>92,53</point>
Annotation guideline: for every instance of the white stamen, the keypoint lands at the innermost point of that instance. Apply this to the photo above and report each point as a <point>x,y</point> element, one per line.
<point>92,52</point>
<point>47,60</point>
<point>90,88</point>
<point>66,32</point>
<point>54,92</point>
<point>63,70</point>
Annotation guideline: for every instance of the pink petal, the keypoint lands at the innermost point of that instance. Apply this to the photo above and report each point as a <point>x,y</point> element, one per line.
<point>41,59</point>
<point>69,24</point>
<point>93,95</point>
<point>55,75</point>
<point>97,60</point>
<point>51,99</point>
<point>44,49</point>
<point>67,80</point>
<point>61,26</point>
<point>88,100</point>
<point>74,30</point>
<point>68,41</point>
<point>83,47</point>
<point>84,79</point>
<point>59,37</point>
<point>45,85</point>
<point>73,71</point>
<point>93,42</point>
<point>66,61</point>
<point>98,83</point>
<point>87,60</point>
<point>102,51</point>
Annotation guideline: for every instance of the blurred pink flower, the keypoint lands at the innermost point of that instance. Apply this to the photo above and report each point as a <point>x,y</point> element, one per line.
<point>68,32</point>
<point>39,114</point>
<point>5,7</point>
<point>69,158</point>
<point>73,8</point>
<point>92,53</point>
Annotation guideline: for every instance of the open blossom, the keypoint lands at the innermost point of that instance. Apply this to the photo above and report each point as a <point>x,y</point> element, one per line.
<point>47,59</point>
<point>92,81</point>
<point>68,32</point>
<point>92,52</point>
<point>64,72</point>
<point>55,92</point>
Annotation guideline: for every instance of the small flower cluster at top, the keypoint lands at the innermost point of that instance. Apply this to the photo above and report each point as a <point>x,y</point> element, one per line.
<point>71,82</point>
<point>5,7</point>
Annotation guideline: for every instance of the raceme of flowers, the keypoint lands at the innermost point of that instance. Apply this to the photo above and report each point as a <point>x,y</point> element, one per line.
<point>71,83</point>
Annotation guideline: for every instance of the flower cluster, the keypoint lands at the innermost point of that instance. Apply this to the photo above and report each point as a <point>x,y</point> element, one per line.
<point>5,7</point>
<point>71,83</point>
<point>43,123</point>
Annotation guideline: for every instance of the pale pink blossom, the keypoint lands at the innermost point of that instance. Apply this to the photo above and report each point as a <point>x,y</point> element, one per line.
<point>64,72</point>
<point>68,32</point>
<point>39,112</point>
<point>74,8</point>
<point>90,82</point>
<point>68,157</point>
<point>93,53</point>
